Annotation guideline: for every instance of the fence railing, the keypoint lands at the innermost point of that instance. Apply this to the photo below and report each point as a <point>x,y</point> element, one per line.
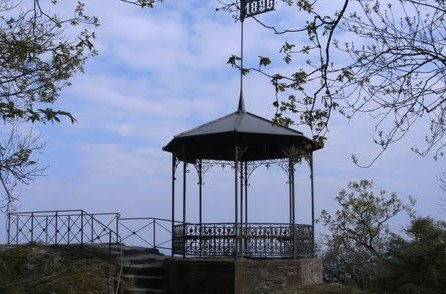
<point>80,227</point>
<point>249,240</point>
<point>146,231</point>
<point>207,239</point>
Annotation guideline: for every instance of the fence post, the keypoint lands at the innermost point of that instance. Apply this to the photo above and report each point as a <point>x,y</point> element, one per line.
<point>8,228</point>
<point>46,229</point>
<point>68,228</point>
<point>32,227</point>
<point>154,234</point>
<point>109,241</point>
<point>117,227</point>
<point>92,238</point>
<point>56,231</point>
<point>82,227</point>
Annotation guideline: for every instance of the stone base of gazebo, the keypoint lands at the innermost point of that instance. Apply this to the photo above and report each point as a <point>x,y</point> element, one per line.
<point>225,275</point>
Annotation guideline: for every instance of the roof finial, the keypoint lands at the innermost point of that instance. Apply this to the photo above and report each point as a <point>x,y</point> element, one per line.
<point>241,102</point>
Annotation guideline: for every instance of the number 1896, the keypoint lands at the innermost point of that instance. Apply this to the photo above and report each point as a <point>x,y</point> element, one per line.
<point>258,6</point>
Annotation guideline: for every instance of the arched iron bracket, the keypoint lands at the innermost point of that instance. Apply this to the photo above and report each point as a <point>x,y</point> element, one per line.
<point>176,163</point>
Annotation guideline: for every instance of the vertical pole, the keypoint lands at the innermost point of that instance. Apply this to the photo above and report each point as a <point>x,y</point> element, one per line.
<point>200,198</point>
<point>292,214</point>
<point>8,228</point>
<point>312,203</point>
<point>46,229</point>
<point>242,225</point>
<point>68,228</point>
<point>154,233</point>
<point>293,208</point>
<point>290,192</point>
<point>246,192</point>
<point>184,208</point>
<point>241,103</point>
<point>109,241</point>
<point>82,227</point>
<point>174,161</point>
<point>241,107</point>
<point>241,193</point>
<point>56,229</point>
<point>236,199</point>
<point>17,229</point>
<point>246,207</point>
<point>200,191</point>
<point>117,216</point>
<point>32,227</point>
<point>92,228</point>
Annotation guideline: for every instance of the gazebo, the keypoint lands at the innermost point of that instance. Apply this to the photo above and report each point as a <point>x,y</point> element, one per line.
<point>243,141</point>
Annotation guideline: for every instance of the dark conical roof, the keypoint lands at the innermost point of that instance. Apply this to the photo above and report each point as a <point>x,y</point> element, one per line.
<point>217,140</point>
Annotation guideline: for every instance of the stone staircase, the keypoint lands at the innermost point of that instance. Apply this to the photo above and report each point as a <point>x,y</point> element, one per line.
<point>142,270</point>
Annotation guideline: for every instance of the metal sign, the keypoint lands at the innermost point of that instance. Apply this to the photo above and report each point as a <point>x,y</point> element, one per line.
<point>254,7</point>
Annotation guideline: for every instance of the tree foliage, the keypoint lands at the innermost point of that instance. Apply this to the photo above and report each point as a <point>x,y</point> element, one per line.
<point>361,249</point>
<point>40,51</point>
<point>359,233</point>
<point>382,58</point>
<point>416,264</point>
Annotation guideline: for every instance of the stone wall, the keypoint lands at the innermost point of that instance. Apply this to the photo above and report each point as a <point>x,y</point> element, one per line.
<point>269,276</point>
<point>200,276</point>
<point>240,276</point>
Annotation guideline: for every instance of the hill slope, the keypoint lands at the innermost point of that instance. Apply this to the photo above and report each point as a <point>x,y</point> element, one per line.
<point>56,269</point>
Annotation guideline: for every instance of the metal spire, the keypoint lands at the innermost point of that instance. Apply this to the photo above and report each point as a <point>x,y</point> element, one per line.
<point>249,8</point>
<point>241,101</point>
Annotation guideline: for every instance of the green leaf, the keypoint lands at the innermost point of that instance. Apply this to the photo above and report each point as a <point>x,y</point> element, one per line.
<point>264,61</point>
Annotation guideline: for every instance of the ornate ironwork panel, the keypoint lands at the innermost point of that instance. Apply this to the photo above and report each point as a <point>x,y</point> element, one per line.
<point>254,240</point>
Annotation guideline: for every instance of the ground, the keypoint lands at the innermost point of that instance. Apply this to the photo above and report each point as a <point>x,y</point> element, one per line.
<point>78,269</point>
<point>55,269</point>
<point>322,289</point>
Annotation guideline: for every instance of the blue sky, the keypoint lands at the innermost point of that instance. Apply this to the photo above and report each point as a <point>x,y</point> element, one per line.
<point>162,71</point>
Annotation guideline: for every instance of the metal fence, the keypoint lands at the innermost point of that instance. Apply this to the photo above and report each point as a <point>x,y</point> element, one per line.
<point>251,240</point>
<point>146,231</point>
<point>207,239</point>
<point>80,227</point>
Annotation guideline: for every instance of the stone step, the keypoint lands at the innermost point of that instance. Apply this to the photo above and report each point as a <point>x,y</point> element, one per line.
<point>150,269</point>
<point>145,291</point>
<point>144,281</point>
<point>142,258</point>
<point>120,249</point>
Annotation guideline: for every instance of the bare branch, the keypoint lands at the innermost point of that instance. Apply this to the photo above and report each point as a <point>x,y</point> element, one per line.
<point>18,163</point>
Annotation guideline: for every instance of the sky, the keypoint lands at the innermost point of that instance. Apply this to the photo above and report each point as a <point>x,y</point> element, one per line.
<point>163,71</point>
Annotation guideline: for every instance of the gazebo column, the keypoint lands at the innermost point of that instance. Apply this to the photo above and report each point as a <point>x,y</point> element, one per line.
<point>184,207</point>
<point>174,167</point>
<point>246,192</point>
<point>241,194</point>
<point>236,225</point>
<point>242,207</point>
<point>312,203</point>
<point>292,206</point>
<point>200,198</point>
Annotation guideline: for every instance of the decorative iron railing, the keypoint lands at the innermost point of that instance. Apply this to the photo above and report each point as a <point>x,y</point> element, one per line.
<point>210,239</point>
<point>80,227</point>
<point>252,240</point>
<point>62,227</point>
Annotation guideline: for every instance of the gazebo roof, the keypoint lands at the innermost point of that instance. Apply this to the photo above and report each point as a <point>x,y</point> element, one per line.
<point>259,137</point>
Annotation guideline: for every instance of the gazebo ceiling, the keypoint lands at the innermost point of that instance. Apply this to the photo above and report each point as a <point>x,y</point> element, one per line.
<point>216,140</point>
